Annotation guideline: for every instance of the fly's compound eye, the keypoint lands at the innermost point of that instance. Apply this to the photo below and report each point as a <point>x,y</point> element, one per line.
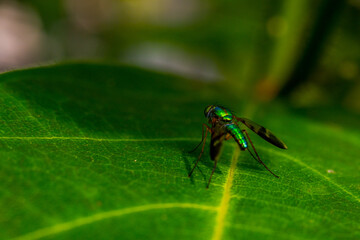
<point>208,109</point>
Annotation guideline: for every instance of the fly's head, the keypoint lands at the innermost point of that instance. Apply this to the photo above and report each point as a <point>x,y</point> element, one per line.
<point>218,115</point>
<point>208,113</point>
<point>208,110</point>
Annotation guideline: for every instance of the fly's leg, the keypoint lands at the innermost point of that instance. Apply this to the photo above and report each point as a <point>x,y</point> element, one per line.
<point>202,139</point>
<point>202,150</point>
<point>212,173</point>
<point>257,155</point>
<point>228,136</point>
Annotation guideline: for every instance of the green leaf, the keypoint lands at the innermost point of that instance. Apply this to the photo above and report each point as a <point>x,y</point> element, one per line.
<point>101,152</point>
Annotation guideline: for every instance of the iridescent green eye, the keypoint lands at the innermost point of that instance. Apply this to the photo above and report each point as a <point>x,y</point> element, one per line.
<point>208,109</point>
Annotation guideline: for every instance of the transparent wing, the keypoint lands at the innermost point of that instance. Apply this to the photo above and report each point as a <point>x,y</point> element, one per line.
<point>263,132</point>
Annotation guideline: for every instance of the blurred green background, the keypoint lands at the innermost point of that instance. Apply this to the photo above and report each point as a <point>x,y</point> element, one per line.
<point>306,51</point>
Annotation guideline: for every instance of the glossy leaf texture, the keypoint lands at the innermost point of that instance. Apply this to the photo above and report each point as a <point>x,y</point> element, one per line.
<point>92,151</point>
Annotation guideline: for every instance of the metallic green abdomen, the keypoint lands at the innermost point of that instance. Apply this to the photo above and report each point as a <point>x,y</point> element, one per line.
<point>237,134</point>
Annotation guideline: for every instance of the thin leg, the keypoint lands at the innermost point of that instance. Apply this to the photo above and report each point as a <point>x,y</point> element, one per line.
<point>211,174</point>
<point>257,155</point>
<point>202,150</point>
<point>228,136</point>
<point>202,139</point>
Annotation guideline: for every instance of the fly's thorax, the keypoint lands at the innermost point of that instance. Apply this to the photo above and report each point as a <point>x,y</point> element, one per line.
<point>237,134</point>
<point>217,113</point>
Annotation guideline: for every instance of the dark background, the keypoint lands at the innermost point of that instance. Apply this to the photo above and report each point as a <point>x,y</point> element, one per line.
<point>307,52</point>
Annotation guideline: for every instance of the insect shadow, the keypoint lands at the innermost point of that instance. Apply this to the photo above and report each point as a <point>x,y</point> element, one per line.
<point>189,161</point>
<point>208,164</point>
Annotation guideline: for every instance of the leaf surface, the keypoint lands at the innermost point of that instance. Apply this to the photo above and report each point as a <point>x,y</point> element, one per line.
<point>101,152</point>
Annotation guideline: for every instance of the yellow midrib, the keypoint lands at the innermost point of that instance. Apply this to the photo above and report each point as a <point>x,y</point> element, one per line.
<point>224,204</point>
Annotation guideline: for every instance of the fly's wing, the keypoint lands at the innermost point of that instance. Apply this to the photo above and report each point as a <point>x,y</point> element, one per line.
<point>216,145</point>
<point>263,132</point>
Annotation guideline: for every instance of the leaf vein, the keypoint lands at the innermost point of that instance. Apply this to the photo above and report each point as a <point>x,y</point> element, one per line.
<point>224,204</point>
<point>67,226</point>
<point>98,139</point>
<point>299,162</point>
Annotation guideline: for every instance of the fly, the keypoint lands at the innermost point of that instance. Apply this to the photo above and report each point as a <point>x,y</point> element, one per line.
<point>224,126</point>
